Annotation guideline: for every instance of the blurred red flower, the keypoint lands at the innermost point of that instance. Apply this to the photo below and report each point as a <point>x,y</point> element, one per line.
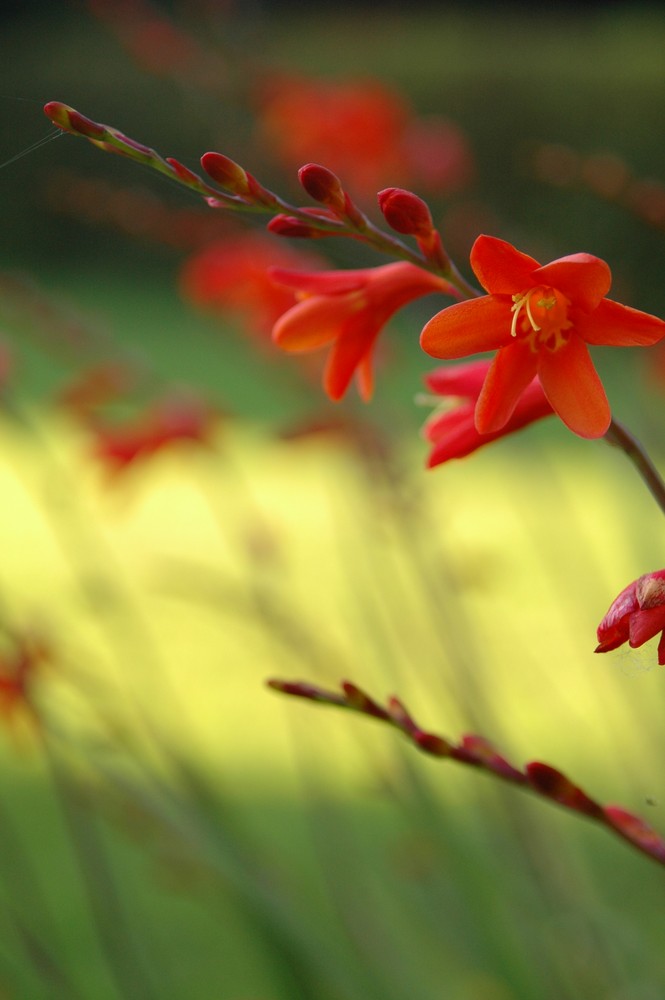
<point>452,433</point>
<point>364,131</point>
<point>174,418</point>
<point>540,319</point>
<point>232,275</point>
<point>636,615</point>
<point>347,309</point>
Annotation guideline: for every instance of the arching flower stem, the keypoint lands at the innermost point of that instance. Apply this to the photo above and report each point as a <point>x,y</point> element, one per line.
<point>622,438</point>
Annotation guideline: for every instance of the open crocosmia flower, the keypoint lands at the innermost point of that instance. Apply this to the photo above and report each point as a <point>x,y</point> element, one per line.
<point>347,309</point>
<point>453,432</point>
<point>636,615</point>
<point>540,319</point>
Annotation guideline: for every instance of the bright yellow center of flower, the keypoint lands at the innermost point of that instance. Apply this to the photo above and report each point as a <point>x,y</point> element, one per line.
<point>541,316</point>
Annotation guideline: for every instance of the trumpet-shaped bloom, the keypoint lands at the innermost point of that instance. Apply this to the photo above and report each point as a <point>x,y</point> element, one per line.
<point>540,320</point>
<point>636,615</point>
<point>347,310</point>
<point>453,433</point>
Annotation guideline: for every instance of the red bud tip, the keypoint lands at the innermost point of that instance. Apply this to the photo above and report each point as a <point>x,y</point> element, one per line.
<point>289,225</point>
<point>323,185</point>
<point>555,785</point>
<point>71,121</point>
<point>182,172</point>
<point>405,212</point>
<point>636,830</point>
<point>226,172</point>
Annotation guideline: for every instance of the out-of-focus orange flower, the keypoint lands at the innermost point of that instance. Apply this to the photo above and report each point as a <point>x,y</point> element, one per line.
<point>364,131</point>
<point>636,615</point>
<point>452,433</point>
<point>540,319</point>
<point>347,310</point>
<point>232,275</point>
<point>172,419</point>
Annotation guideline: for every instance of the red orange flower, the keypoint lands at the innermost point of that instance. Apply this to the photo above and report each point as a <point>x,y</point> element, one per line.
<point>365,131</point>
<point>347,309</point>
<point>453,433</point>
<point>541,320</point>
<point>636,615</point>
<point>231,275</point>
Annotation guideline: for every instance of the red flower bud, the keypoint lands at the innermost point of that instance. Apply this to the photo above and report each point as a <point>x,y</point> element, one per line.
<point>636,615</point>
<point>323,185</point>
<point>289,225</point>
<point>405,212</point>
<point>181,171</point>
<point>71,121</point>
<point>226,172</point>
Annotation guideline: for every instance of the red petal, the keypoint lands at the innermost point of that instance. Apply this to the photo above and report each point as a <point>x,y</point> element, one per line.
<point>443,424</point>
<point>365,377</point>
<point>347,353</point>
<point>458,380</point>
<point>512,370</point>
<point>619,326</point>
<point>310,324</point>
<point>468,328</point>
<point>645,624</point>
<point>324,283</point>
<point>500,268</point>
<point>582,278</point>
<point>573,388</point>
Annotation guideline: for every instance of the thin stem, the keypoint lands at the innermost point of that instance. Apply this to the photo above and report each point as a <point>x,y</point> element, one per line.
<point>621,437</point>
<point>259,201</point>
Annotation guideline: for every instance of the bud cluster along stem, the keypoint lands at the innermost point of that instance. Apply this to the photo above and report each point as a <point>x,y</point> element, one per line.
<point>476,751</point>
<point>242,192</point>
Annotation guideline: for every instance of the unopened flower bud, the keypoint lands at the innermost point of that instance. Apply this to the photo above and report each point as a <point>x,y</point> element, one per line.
<point>289,225</point>
<point>182,172</point>
<point>405,212</point>
<point>71,121</point>
<point>323,185</point>
<point>636,615</point>
<point>226,172</point>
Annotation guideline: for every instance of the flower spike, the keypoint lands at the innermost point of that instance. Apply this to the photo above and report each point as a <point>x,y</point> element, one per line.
<point>476,751</point>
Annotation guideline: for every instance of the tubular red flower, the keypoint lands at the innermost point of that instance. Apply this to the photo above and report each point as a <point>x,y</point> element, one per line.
<point>347,310</point>
<point>453,433</point>
<point>636,615</point>
<point>540,320</point>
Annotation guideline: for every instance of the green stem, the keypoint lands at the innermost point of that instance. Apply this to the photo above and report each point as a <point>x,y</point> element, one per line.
<point>621,437</point>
